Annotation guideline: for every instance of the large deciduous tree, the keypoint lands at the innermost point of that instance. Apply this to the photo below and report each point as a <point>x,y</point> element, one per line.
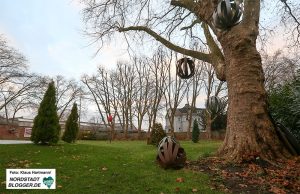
<point>67,91</point>
<point>159,68</point>
<point>13,73</point>
<point>12,62</point>
<point>195,89</point>
<point>232,53</point>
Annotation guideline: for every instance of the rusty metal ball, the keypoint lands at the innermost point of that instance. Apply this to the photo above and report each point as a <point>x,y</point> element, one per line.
<point>185,68</point>
<point>170,154</point>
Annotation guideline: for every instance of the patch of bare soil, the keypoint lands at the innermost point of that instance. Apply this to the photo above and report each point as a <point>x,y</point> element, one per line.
<point>255,176</point>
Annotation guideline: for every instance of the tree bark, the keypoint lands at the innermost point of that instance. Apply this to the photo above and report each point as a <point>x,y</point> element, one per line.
<point>208,126</point>
<point>250,131</point>
<point>190,116</point>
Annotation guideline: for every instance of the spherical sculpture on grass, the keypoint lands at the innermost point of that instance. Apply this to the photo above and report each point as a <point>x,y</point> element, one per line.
<point>170,154</point>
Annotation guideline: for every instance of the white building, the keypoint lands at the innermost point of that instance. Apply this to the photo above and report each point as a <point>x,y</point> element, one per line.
<point>181,119</point>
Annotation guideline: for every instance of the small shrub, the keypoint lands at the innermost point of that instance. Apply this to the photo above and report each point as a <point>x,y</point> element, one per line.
<point>157,133</point>
<point>87,135</point>
<point>205,154</point>
<point>195,132</point>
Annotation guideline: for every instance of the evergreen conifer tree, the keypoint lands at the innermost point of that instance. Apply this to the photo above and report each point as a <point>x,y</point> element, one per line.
<point>46,126</point>
<point>157,134</point>
<point>195,132</point>
<point>71,128</point>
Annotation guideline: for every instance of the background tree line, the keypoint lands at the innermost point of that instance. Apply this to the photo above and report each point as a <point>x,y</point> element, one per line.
<point>283,86</point>
<point>140,91</point>
<point>21,91</point>
<point>137,92</point>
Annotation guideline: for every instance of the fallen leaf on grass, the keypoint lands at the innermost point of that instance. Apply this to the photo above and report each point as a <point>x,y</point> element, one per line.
<point>3,183</point>
<point>243,185</point>
<point>277,190</point>
<point>286,183</point>
<point>65,177</point>
<point>194,190</point>
<point>177,189</point>
<point>180,180</point>
<point>104,168</point>
<point>59,186</point>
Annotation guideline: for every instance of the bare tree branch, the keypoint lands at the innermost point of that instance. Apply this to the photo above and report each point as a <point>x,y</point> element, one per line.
<point>198,55</point>
<point>295,19</point>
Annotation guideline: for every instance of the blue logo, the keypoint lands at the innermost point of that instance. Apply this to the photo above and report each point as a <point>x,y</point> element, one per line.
<point>48,181</point>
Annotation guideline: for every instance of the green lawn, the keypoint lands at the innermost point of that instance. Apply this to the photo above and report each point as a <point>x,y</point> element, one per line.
<point>101,167</point>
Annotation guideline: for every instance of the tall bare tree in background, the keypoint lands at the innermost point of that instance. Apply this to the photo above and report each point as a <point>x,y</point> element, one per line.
<point>175,91</point>
<point>67,91</point>
<point>279,68</point>
<point>143,90</point>
<point>21,95</point>
<point>18,88</point>
<point>232,53</point>
<point>159,68</point>
<point>116,97</point>
<point>12,63</point>
<point>92,83</point>
<point>12,68</point>
<point>114,93</point>
<point>126,81</point>
<point>213,88</point>
<point>194,88</point>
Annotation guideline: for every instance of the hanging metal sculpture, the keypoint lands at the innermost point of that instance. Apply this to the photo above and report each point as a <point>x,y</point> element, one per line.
<point>170,154</point>
<point>227,14</point>
<point>185,68</point>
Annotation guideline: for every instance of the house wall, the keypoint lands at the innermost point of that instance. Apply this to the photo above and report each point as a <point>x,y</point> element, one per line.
<point>20,125</point>
<point>7,133</point>
<point>105,135</point>
<point>181,123</point>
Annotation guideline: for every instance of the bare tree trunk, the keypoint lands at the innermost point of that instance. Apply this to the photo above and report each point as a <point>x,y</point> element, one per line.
<point>249,128</point>
<point>6,111</point>
<point>172,126</point>
<point>188,130</point>
<point>208,126</point>
<point>159,68</point>
<point>196,83</point>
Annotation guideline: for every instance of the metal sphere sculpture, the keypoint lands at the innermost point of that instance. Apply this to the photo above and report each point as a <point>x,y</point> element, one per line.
<point>170,154</point>
<point>185,68</point>
<point>227,14</point>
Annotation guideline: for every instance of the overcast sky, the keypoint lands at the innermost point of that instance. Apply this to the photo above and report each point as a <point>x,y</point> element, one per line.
<point>50,34</point>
